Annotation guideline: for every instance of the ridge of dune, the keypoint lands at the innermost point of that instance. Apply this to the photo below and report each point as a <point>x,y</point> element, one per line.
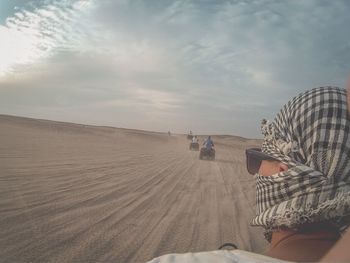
<point>45,123</point>
<point>82,193</point>
<point>34,122</point>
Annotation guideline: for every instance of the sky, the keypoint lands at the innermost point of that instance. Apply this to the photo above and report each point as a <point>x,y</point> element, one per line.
<point>213,67</point>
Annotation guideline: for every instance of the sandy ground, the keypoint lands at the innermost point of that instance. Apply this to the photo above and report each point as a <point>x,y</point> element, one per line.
<point>77,193</point>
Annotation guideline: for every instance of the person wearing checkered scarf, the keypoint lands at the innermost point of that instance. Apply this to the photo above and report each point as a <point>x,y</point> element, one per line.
<point>309,143</point>
<point>311,137</point>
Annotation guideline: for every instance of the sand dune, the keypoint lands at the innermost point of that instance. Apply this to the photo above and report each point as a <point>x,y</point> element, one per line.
<point>78,193</point>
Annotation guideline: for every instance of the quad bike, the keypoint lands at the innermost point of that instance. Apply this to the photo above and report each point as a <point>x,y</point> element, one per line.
<point>208,154</point>
<point>194,146</point>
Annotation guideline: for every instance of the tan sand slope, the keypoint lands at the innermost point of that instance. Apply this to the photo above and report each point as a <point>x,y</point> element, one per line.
<point>77,193</point>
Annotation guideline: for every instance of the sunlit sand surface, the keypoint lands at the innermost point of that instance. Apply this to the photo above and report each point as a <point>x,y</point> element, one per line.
<point>78,193</point>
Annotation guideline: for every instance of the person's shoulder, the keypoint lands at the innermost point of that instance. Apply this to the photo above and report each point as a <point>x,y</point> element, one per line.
<point>221,256</point>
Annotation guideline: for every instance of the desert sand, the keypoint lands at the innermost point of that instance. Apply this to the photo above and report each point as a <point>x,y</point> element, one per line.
<point>79,193</point>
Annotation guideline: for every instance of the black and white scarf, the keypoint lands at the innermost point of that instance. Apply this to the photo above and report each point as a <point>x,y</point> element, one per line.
<point>311,134</point>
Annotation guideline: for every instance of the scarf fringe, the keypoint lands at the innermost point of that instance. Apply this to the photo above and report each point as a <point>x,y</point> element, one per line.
<point>331,211</point>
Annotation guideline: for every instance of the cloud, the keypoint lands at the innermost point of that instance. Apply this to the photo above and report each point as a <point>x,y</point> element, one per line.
<point>28,36</point>
<point>217,65</point>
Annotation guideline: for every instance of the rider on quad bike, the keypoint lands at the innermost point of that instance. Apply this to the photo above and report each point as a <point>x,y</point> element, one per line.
<point>195,139</point>
<point>208,143</point>
<point>194,145</point>
<point>207,152</point>
<point>190,135</point>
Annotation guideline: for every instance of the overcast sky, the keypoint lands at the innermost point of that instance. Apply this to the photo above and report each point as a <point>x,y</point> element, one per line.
<point>215,67</point>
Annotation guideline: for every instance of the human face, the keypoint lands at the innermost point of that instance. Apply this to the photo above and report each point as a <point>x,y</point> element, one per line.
<point>270,167</point>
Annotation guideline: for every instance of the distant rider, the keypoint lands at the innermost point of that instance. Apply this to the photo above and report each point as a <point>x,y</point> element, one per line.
<point>195,139</point>
<point>208,143</point>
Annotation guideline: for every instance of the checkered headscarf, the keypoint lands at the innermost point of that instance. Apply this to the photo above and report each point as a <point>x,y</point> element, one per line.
<point>311,134</point>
